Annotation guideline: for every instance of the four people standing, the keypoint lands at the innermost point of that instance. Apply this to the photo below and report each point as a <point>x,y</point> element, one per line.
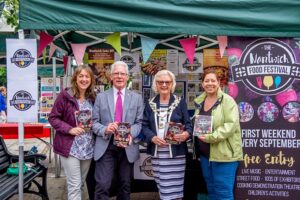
<point>117,104</point>
<point>168,161</point>
<point>220,150</point>
<point>74,144</point>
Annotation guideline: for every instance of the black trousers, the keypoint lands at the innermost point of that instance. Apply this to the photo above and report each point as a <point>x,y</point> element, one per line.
<point>90,181</point>
<point>114,162</point>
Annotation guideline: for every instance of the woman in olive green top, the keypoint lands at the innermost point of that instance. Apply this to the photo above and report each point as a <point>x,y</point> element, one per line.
<point>221,149</point>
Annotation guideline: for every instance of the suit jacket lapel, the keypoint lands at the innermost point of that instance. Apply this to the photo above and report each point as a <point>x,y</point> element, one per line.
<point>127,100</point>
<point>110,100</point>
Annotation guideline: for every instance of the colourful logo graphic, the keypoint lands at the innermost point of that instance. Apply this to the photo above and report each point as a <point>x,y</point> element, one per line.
<point>22,100</point>
<point>267,66</point>
<point>246,111</point>
<point>22,58</point>
<point>268,112</point>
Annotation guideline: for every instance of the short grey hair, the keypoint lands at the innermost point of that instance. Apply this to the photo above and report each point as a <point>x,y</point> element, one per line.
<point>160,73</point>
<point>112,67</point>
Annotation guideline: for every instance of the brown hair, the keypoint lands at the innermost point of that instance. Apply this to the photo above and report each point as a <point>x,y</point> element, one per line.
<point>90,92</point>
<point>210,71</point>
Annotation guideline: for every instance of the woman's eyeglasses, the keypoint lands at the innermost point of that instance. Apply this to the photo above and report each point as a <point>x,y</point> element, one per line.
<point>160,83</point>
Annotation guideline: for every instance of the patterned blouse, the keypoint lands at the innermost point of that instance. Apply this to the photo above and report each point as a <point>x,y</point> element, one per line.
<point>83,144</point>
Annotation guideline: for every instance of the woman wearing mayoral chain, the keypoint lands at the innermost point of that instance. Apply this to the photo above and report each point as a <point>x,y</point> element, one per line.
<point>168,160</point>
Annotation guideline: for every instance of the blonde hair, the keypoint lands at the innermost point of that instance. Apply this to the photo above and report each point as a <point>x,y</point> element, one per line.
<point>90,92</point>
<point>161,73</point>
<point>2,89</point>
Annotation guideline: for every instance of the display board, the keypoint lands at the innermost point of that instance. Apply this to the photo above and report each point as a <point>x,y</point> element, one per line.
<point>265,75</point>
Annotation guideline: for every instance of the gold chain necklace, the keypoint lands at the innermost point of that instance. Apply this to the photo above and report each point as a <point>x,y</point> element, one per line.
<point>170,108</point>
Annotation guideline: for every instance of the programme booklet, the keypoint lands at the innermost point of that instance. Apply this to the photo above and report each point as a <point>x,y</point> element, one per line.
<point>173,129</point>
<point>122,135</point>
<point>203,125</point>
<point>84,119</point>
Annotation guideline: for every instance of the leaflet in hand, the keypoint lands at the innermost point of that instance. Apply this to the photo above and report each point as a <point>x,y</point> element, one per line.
<point>203,125</point>
<point>173,129</point>
<point>122,135</point>
<point>84,119</point>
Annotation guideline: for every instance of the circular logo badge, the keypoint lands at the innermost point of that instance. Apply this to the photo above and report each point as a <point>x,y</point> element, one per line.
<point>267,112</point>
<point>129,61</point>
<point>22,58</point>
<point>22,100</point>
<point>246,112</point>
<point>291,112</point>
<point>191,67</point>
<point>147,167</point>
<point>267,66</point>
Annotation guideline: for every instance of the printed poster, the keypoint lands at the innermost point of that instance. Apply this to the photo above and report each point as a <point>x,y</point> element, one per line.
<point>46,101</point>
<point>131,59</point>
<point>186,68</point>
<point>172,61</point>
<point>265,82</point>
<point>156,62</point>
<point>100,61</point>
<point>213,61</point>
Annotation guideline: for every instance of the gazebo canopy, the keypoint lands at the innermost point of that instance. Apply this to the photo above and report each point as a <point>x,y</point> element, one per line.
<point>263,18</point>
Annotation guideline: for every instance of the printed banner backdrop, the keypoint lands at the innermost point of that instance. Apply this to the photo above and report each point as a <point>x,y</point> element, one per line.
<point>22,101</point>
<point>264,81</point>
<point>21,59</point>
<point>22,84</point>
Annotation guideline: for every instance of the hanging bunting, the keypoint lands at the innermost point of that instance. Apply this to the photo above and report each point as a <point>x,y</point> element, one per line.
<point>222,44</point>
<point>148,45</point>
<point>45,39</point>
<point>86,58</point>
<point>78,51</point>
<point>53,47</point>
<point>44,56</point>
<point>115,41</point>
<point>189,46</point>
<point>65,60</point>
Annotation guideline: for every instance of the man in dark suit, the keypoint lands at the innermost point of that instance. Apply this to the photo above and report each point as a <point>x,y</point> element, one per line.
<point>117,104</point>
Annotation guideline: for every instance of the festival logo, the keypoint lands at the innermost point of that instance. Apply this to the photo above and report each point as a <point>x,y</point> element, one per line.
<point>147,167</point>
<point>267,66</point>
<point>129,61</point>
<point>191,67</point>
<point>22,100</point>
<point>22,58</point>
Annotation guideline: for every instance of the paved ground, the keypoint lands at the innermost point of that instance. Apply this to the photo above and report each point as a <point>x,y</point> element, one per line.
<point>57,186</point>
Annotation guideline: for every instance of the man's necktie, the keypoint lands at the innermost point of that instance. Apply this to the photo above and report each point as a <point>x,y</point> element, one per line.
<point>119,108</point>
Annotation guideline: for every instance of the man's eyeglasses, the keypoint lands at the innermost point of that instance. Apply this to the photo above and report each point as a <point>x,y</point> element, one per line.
<point>119,74</point>
<point>164,82</point>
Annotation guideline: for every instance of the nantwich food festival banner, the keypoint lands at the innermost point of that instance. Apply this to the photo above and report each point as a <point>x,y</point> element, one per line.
<point>22,82</point>
<point>264,80</point>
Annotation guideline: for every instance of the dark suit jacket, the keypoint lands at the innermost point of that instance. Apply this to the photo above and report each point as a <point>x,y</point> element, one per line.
<point>179,115</point>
